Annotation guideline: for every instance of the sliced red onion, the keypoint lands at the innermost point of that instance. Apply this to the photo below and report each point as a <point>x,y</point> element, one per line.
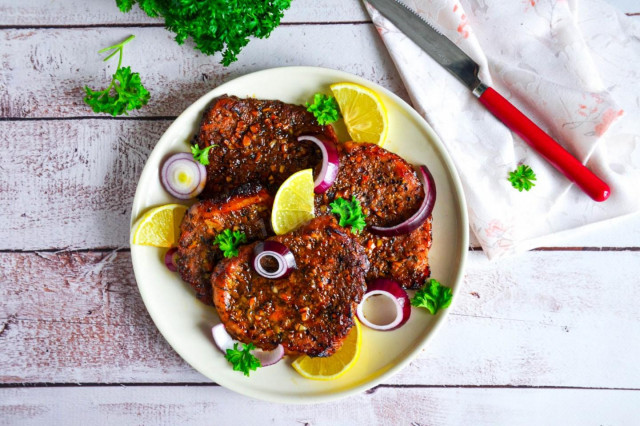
<point>170,259</point>
<point>280,253</point>
<point>224,341</point>
<point>420,216</point>
<point>330,163</point>
<point>393,310</point>
<point>182,176</point>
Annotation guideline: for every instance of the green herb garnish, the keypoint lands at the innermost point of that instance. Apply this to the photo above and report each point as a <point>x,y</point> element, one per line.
<point>129,93</point>
<point>522,178</point>
<point>228,241</point>
<point>433,296</point>
<point>324,108</point>
<point>350,213</point>
<point>242,359</point>
<point>216,25</point>
<point>201,155</point>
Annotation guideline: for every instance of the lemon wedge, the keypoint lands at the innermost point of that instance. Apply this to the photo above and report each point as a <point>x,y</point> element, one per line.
<point>293,203</point>
<point>336,365</point>
<point>363,112</point>
<point>160,226</point>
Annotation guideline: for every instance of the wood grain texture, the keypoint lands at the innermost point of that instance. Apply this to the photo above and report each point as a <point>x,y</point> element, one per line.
<point>44,70</point>
<point>385,406</point>
<point>541,320</point>
<point>100,12</point>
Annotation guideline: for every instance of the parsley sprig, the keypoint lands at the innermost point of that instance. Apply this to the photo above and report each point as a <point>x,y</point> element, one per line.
<point>228,241</point>
<point>217,25</point>
<point>129,93</point>
<point>433,296</point>
<point>201,155</point>
<point>522,178</point>
<point>242,359</point>
<point>324,108</point>
<point>350,213</point>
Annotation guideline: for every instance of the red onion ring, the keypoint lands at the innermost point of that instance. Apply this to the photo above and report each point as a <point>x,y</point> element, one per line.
<point>224,341</point>
<point>420,216</point>
<point>396,300</point>
<point>330,162</point>
<point>174,168</point>
<point>170,259</point>
<point>279,252</point>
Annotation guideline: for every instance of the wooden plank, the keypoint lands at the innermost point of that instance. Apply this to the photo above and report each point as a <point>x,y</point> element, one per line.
<point>544,319</point>
<point>78,12</point>
<point>45,70</point>
<point>385,406</point>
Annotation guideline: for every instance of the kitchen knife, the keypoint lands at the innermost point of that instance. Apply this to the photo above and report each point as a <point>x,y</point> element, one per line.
<point>458,63</point>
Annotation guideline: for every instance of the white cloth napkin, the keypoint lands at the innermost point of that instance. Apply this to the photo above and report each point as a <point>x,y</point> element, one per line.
<point>571,66</point>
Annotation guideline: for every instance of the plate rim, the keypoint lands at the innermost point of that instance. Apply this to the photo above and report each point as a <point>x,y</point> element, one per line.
<point>462,255</point>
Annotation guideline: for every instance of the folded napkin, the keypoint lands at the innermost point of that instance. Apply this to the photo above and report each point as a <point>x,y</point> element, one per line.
<point>573,70</point>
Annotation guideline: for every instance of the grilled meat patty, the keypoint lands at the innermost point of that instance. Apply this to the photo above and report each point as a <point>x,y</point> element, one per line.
<point>256,141</point>
<point>387,186</point>
<point>389,192</point>
<point>311,311</point>
<point>247,210</point>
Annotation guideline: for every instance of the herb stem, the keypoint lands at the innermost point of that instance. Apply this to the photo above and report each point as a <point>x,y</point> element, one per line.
<point>115,46</point>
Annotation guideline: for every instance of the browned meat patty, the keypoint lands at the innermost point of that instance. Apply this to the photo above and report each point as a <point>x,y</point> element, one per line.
<point>387,187</point>
<point>402,258</point>
<point>389,191</point>
<point>311,311</point>
<point>255,140</point>
<point>248,210</point>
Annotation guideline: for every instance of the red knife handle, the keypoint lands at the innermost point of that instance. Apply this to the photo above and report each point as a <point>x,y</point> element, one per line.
<point>551,150</point>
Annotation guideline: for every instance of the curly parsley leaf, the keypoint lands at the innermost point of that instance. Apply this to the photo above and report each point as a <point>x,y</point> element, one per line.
<point>201,155</point>
<point>522,178</point>
<point>228,241</point>
<point>217,25</point>
<point>324,108</point>
<point>350,213</point>
<point>242,359</point>
<point>433,296</point>
<point>125,93</point>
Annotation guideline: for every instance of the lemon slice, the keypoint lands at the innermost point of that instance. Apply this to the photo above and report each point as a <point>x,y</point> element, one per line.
<point>363,111</point>
<point>336,365</point>
<point>293,203</point>
<point>160,226</point>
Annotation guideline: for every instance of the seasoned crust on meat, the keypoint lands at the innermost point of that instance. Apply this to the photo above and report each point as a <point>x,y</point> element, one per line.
<point>386,185</point>
<point>312,310</point>
<point>402,258</point>
<point>256,140</point>
<point>247,210</point>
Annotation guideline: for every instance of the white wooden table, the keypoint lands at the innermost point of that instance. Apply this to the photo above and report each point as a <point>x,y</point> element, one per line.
<point>549,337</point>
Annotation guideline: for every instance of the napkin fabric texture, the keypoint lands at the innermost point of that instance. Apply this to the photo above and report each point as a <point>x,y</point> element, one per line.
<point>573,67</point>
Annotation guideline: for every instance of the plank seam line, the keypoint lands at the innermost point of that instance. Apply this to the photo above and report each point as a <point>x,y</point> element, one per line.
<point>388,386</point>
<point>92,117</point>
<point>156,25</point>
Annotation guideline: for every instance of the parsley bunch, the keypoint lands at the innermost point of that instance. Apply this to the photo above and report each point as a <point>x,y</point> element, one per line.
<point>215,25</point>
<point>433,296</point>
<point>324,108</point>
<point>229,242</point>
<point>129,93</point>
<point>522,178</point>
<point>242,359</point>
<point>350,213</point>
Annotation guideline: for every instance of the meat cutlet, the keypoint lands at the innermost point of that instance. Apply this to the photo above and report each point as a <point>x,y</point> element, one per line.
<point>247,210</point>
<point>389,192</point>
<point>256,141</point>
<point>309,312</point>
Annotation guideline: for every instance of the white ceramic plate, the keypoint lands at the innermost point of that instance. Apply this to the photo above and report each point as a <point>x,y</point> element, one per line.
<point>186,323</point>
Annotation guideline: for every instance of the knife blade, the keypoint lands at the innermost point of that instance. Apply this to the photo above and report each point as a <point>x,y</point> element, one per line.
<point>460,65</point>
